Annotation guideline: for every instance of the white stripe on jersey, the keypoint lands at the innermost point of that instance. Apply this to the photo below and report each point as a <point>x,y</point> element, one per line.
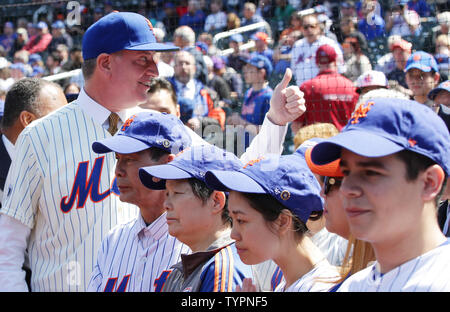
<point>63,245</point>
<point>428,272</point>
<point>331,245</point>
<point>320,279</point>
<point>135,254</point>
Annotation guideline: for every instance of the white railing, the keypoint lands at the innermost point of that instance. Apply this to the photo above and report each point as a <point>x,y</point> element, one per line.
<point>63,75</point>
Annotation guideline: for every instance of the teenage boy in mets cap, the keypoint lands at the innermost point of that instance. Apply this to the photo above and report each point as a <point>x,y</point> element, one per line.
<point>135,252</point>
<point>65,186</point>
<point>198,216</point>
<point>395,158</point>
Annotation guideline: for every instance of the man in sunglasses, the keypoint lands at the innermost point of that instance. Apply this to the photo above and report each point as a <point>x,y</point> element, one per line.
<point>303,60</point>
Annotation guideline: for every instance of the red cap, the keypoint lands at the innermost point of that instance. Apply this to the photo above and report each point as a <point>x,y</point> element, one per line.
<point>325,54</point>
<point>401,44</point>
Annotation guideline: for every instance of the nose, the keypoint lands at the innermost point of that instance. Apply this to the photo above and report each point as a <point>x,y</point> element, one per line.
<point>167,205</point>
<point>350,188</point>
<point>235,235</point>
<point>119,169</point>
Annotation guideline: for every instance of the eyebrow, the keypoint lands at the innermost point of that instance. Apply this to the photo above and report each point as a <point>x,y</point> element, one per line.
<point>369,163</point>
<point>235,212</point>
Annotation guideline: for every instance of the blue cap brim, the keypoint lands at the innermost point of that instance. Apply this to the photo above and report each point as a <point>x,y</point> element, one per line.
<point>163,172</point>
<point>363,143</point>
<point>156,46</point>
<point>432,94</point>
<point>232,180</point>
<point>424,68</point>
<point>120,144</point>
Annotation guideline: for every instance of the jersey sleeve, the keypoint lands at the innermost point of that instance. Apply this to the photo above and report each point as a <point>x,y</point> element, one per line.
<point>24,181</point>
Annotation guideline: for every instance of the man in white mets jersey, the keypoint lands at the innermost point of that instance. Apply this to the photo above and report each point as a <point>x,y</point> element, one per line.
<point>135,254</point>
<point>395,158</point>
<point>60,197</point>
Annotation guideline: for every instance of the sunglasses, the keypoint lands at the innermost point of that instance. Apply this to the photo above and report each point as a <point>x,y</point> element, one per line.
<point>309,26</point>
<point>329,182</point>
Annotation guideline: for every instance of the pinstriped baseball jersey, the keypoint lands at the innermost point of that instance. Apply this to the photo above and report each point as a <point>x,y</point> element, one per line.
<point>319,279</point>
<point>429,272</point>
<point>133,257</point>
<point>331,245</point>
<point>64,191</point>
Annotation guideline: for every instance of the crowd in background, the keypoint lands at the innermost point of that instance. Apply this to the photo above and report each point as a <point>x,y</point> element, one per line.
<point>225,75</point>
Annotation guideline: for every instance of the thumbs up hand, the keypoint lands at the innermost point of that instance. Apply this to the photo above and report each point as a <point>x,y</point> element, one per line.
<point>287,103</point>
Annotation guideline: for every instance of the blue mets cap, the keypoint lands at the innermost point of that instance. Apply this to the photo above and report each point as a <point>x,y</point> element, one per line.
<point>145,130</point>
<point>58,24</point>
<point>260,62</point>
<point>193,162</point>
<point>121,31</point>
<point>381,127</point>
<point>423,61</point>
<point>287,178</point>
<point>443,86</point>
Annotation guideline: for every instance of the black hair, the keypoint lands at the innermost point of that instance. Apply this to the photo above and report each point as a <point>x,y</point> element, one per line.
<point>156,153</point>
<point>270,209</point>
<point>160,83</point>
<point>23,96</point>
<point>203,192</point>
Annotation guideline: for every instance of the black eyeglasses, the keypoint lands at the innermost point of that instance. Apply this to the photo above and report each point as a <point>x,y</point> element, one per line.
<point>329,182</point>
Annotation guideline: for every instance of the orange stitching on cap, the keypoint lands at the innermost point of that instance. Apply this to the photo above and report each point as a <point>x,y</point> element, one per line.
<point>361,112</point>
<point>252,162</point>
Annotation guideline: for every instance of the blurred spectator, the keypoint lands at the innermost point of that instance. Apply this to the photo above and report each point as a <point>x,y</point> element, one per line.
<point>72,88</point>
<point>233,6</point>
<point>53,63</point>
<point>371,24</point>
<point>18,71</point>
<point>369,81</point>
<point>20,41</point>
<point>262,46</point>
<point>233,21</point>
<point>6,81</point>
<point>422,75</point>
<point>355,60</point>
<point>194,17</point>
<point>329,97</point>
<point>257,98</point>
<point>348,28</point>
<point>266,9</point>
<point>63,51</point>
<point>303,60</point>
<point>401,50</point>
<point>347,10</point>
<point>402,21</point>
<point>40,41</point>
<point>216,68</point>
<point>282,52</point>
<point>182,7</point>
<point>420,6</point>
<point>59,36</point>
<point>386,63</point>
<point>171,18</point>
<point>193,97</point>
<point>235,60</point>
<point>442,55</point>
<point>75,59</point>
<point>282,15</point>
<point>295,24</point>
<point>165,70</point>
<point>249,17</point>
<point>216,21</point>
<point>8,37</point>
<point>207,38</point>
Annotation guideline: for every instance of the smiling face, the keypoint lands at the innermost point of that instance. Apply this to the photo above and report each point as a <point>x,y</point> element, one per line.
<point>131,73</point>
<point>380,203</point>
<point>250,231</point>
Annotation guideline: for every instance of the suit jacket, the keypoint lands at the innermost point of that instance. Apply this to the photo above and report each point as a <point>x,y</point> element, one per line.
<point>5,163</point>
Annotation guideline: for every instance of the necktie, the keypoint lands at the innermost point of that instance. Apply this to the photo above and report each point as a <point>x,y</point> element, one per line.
<point>113,120</point>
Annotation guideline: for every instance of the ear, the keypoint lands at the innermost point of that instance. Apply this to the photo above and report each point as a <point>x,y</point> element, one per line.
<point>283,224</point>
<point>218,198</point>
<point>437,76</point>
<point>25,118</point>
<point>433,178</point>
<point>168,158</point>
<point>178,111</point>
<point>104,63</point>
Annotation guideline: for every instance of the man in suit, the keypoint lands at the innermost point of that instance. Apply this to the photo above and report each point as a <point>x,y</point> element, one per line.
<point>28,99</point>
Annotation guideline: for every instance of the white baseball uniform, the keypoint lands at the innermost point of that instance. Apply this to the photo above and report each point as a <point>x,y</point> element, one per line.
<point>429,272</point>
<point>303,60</point>
<point>133,256</point>
<point>320,279</point>
<point>63,192</point>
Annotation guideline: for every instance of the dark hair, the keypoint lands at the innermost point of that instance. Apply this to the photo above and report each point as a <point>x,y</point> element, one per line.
<point>23,96</point>
<point>270,208</point>
<point>203,192</point>
<point>156,153</point>
<point>88,68</point>
<point>159,83</point>
<point>416,163</point>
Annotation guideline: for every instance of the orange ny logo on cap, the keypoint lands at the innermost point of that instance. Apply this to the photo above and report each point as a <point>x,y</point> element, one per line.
<point>360,112</point>
<point>150,25</point>
<point>253,161</point>
<point>127,123</point>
